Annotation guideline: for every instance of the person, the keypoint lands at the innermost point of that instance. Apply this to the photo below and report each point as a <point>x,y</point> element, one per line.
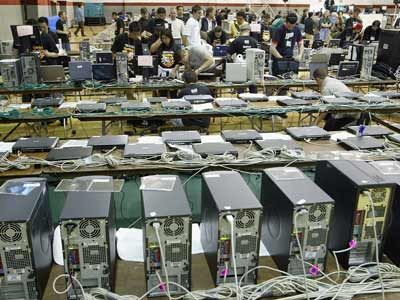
<point>348,38</point>
<point>325,27</point>
<point>191,33</point>
<point>48,40</point>
<point>119,24</point>
<point>158,22</point>
<point>217,37</point>
<point>372,32</point>
<point>177,25</point>
<point>129,42</point>
<point>221,15</point>
<point>62,31</point>
<point>309,27</point>
<point>283,41</point>
<point>208,23</point>
<point>197,59</point>
<point>168,53</point>
<point>339,25</point>
<point>80,19</point>
<point>240,20</point>
<point>144,18</point>
<point>242,42</point>
<point>304,16</point>
<point>329,86</point>
<point>179,13</point>
<point>353,19</point>
<point>265,28</point>
<point>192,87</point>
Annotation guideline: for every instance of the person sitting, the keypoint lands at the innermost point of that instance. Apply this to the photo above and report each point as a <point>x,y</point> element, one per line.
<point>197,59</point>
<point>372,32</point>
<point>49,42</point>
<point>328,87</point>
<point>217,37</point>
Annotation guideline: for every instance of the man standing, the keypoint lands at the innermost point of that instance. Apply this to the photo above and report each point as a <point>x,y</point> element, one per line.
<point>80,19</point>
<point>208,23</point>
<point>309,27</point>
<point>240,20</point>
<point>179,13</point>
<point>144,18</point>
<point>158,21</point>
<point>177,25</point>
<point>191,33</point>
<point>372,32</point>
<point>197,59</point>
<point>62,31</point>
<point>48,40</point>
<point>119,24</point>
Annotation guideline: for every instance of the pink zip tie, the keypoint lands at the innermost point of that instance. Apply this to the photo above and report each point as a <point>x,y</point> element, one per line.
<point>314,270</point>
<point>162,287</point>
<point>353,244</point>
<point>224,272</point>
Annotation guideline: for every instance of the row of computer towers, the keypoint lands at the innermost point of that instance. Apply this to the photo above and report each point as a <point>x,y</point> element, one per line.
<point>295,217</point>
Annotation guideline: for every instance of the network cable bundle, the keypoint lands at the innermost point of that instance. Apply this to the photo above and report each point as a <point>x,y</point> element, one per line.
<point>230,227</point>
<point>167,237</point>
<point>121,60</point>
<point>296,222</point>
<point>362,205</point>
<point>30,63</point>
<point>25,238</point>
<point>10,70</point>
<point>87,225</point>
<point>255,60</point>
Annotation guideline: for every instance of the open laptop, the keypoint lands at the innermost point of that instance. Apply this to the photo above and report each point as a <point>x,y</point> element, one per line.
<point>205,149</point>
<point>337,100</point>
<point>108,141</point>
<point>278,145</point>
<point>312,133</point>
<point>350,95</point>
<point>52,74</point>
<point>198,99</point>
<point>80,70</point>
<point>230,103</point>
<point>104,72</point>
<point>347,69</point>
<point>47,102</point>
<point>361,143</point>
<point>292,102</point>
<point>334,43</point>
<point>240,136</point>
<point>309,95</point>
<point>135,106</point>
<point>35,144</point>
<point>91,107</point>
<point>69,153</point>
<point>144,150</point>
<point>155,100</point>
<point>181,137</point>
<point>220,51</point>
<point>113,100</point>
<point>371,130</point>
<point>176,105</point>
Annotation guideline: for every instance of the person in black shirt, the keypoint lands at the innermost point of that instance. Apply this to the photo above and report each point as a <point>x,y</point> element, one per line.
<point>372,32</point>
<point>243,42</point>
<point>353,19</point>
<point>144,18</point>
<point>158,21</point>
<point>62,31</point>
<point>309,27</point>
<point>129,42</point>
<point>304,16</point>
<point>217,37</point>
<point>119,24</point>
<point>48,39</point>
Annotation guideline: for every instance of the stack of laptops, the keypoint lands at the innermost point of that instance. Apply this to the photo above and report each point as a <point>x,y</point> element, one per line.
<point>52,74</point>
<point>372,130</point>
<point>205,149</point>
<point>310,95</point>
<point>337,101</point>
<point>312,133</point>
<point>47,102</point>
<point>144,150</point>
<point>176,105</point>
<point>69,153</point>
<point>181,137</point>
<point>292,102</point>
<point>35,144</point>
<point>135,106</point>
<point>155,100</point>
<point>361,143</point>
<point>91,107</point>
<point>230,103</point>
<point>240,136</point>
<point>108,142</point>
<point>350,95</point>
<point>277,145</point>
<point>198,99</point>
<point>114,100</point>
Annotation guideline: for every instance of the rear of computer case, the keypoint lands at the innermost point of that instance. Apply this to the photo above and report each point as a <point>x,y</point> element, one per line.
<point>225,193</point>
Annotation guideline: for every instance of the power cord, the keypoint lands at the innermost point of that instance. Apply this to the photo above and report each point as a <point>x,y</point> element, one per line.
<point>231,221</point>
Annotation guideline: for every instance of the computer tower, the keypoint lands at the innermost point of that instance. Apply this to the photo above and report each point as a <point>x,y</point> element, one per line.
<point>367,62</point>
<point>164,203</point>
<point>121,60</point>
<point>295,205</point>
<point>10,70</point>
<point>255,60</point>
<point>25,238</point>
<point>346,182</point>
<point>87,225</point>
<point>224,194</point>
<point>30,63</point>
<point>389,45</point>
<point>84,51</point>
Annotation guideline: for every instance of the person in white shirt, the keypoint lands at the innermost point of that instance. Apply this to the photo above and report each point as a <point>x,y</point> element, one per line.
<point>177,26</point>
<point>191,33</point>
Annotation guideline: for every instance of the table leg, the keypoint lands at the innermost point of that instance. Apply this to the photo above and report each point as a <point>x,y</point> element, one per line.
<point>11,132</point>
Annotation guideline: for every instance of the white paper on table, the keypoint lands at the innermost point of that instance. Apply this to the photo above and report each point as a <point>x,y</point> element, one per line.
<point>275,136</point>
<point>145,60</point>
<point>57,247</point>
<point>213,138</point>
<point>75,143</point>
<point>67,105</point>
<point>24,30</point>
<point>341,136</point>
<point>19,105</point>
<point>6,146</point>
<point>150,139</point>
<point>202,107</point>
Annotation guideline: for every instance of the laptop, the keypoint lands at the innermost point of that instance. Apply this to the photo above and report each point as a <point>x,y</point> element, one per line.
<point>80,70</point>
<point>230,103</point>
<point>108,141</point>
<point>339,100</point>
<point>277,145</point>
<point>220,51</point>
<point>309,95</point>
<point>336,58</point>
<point>334,43</point>
<point>91,107</point>
<point>206,149</point>
<point>394,137</point>
<point>240,136</point>
<point>198,99</point>
<point>176,105</point>
<point>292,102</point>
<point>236,72</point>
<point>371,130</point>
<point>181,137</point>
<point>348,69</point>
<point>104,57</point>
<point>312,133</point>
<point>47,102</point>
<point>154,100</point>
<point>69,153</point>
<point>350,95</point>
<point>361,143</point>
<point>104,72</point>
<point>317,43</point>
<point>135,106</point>
<point>143,150</point>
<point>113,100</point>
<point>35,144</point>
<point>52,74</point>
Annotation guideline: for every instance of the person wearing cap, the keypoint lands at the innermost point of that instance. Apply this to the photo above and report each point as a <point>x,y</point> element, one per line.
<point>283,41</point>
<point>372,32</point>
<point>242,42</point>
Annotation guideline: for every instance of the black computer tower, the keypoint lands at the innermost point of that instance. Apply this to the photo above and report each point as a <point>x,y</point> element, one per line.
<point>225,193</point>
<point>87,225</point>
<point>164,203</point>
<point>345,181</point>
<point>25,238</point>
<point>295,205</point>
<point>389,45</point>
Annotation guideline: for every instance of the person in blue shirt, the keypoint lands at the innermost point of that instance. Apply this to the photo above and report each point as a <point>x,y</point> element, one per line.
<point>80,18</point>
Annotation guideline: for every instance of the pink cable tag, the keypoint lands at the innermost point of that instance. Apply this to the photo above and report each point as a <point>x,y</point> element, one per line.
<point>353,244</point>
<point>224,272</point>
<point>314,270</point>
<point>162,287</point>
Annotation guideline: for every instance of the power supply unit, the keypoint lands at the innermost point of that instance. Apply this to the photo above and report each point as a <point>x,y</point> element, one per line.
<point>121,62</point>
<point>87,225</point>
<point>30,63</point>
<point>355,186</point>
<point>84,50</point>
<point>167,235</point>
<point>296,222</point>
<point>10,70</point>
<point>230,227</point>
<point>25,238</point>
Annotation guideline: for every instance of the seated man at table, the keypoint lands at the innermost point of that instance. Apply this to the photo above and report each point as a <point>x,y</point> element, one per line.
<point>49,42</point>
<point>197,59</point>
<point>328,87</point>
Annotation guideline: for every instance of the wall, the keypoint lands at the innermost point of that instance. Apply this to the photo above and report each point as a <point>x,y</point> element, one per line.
<point>11,14</point>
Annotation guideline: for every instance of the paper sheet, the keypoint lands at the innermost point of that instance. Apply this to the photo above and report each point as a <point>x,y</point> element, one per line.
<point>74,143</point>
<point>6,146</point>
<point>202,107</point>
<point>275,136</point>
<point>149,139</point>
<point>24,30</point>
<point>341,135</point>
<point>213,138</point>
<point>276,98</point>
<point>145,60</point>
